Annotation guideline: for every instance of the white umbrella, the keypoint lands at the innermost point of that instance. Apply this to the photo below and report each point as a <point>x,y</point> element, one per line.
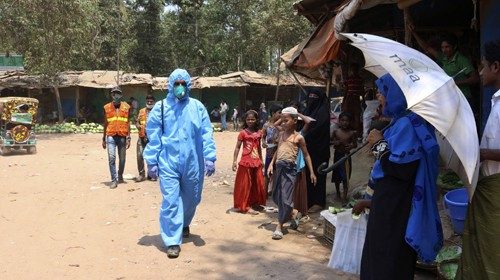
<point>431,94</point>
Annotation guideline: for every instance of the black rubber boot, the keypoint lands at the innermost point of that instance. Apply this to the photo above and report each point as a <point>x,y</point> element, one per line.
<point>173,251</point>
<point>185,232</point>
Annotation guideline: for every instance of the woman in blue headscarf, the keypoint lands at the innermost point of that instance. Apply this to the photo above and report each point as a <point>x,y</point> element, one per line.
<point>404,223</point>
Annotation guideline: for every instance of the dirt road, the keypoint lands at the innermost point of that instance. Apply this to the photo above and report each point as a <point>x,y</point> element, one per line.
<point>58,219</point>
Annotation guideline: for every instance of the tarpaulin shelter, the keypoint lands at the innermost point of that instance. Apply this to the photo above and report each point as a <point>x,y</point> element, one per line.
<point>320,55</point>
<point>474,22</point>
<point>321,47</point>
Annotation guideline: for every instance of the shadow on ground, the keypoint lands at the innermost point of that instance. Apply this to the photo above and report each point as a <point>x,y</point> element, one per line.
<point>155,240</point>
<point>262,262</point>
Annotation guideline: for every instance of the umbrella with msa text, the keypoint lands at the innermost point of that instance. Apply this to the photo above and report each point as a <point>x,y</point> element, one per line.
<point>430,93</point>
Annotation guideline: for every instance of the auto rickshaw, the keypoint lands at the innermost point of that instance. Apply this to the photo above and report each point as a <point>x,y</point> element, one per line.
<point>17,118</point>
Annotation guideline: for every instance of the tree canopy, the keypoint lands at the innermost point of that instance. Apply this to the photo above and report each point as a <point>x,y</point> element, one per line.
<point>207,37</point>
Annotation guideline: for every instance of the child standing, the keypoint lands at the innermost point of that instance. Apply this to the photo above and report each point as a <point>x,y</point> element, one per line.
<point>285,159</point>
<point>344,139</point>
<point>234,118</point>
<point>270,135</point>
<point>249,182</point>
<point>300,188</point>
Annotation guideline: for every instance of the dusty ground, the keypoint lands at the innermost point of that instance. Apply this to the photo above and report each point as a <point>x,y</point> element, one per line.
<point>58,219</point>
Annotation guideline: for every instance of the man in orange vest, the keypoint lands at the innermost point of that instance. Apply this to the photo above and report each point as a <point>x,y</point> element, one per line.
<point>140,123</point>
<point>116,134</point>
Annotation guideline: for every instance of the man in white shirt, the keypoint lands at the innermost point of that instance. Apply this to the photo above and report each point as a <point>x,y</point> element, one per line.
<point>481,238</point>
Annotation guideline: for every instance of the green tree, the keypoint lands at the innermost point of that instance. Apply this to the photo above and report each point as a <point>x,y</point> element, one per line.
<point>147,53</point>
<point>280,29</point>
<point>184,37</point>
<point>112,39</point>
<point>207,37</point>
<point>230,36</point>
<point>52,35</point>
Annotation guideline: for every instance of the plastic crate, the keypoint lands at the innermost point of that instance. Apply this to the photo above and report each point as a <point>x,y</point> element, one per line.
<point>328,232</point>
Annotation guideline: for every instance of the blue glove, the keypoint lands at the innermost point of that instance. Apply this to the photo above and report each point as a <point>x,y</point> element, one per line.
<point>153,172</point>
<point>209,168</point>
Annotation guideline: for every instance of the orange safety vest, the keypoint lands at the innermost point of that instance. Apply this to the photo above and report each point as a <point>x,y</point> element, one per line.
<point>143,116</point>
<point>118,123</point>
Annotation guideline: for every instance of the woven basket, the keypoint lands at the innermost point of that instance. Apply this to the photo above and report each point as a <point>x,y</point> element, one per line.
<point>328,232</point>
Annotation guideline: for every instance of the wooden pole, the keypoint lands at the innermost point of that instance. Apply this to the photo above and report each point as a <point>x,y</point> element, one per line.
<point>407,22</point>
<point>77,104</point>
<point>329,75</point>
<point>277,83</point>
<point>328,85</point>
<point>245,99</point>
<point>298,82</point>
<point>119,46</point>
<point>59,106</point>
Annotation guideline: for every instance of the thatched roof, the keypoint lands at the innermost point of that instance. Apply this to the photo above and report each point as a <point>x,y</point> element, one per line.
<point>210,82</point>
<point>108,79</point>
<point>10,79</point>
<point>159,83</point>
<point>93,79</point>
<point>252,77</point>
<point>239,79</point>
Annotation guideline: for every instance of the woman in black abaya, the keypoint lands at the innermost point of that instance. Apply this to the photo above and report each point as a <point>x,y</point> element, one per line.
<point>318,145</point>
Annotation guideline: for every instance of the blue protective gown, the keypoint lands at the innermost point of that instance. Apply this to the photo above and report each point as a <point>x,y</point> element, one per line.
<point>180,153</point>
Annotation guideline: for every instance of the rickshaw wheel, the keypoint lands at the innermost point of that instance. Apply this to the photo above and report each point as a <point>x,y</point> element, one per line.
<point>31,150</point>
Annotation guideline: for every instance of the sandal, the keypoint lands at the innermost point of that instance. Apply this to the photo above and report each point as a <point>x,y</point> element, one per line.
<point>252,212</point>
<point>277,235</point>
<point>294,223</point>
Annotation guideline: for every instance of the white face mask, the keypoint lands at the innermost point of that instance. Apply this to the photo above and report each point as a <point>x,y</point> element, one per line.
<point>149,106</point>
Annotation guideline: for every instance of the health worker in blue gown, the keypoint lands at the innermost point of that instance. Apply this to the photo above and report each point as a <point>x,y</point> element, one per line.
<point>181,150</point>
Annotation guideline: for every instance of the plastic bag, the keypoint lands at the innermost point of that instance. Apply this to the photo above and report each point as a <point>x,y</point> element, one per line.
<point>348,243</point>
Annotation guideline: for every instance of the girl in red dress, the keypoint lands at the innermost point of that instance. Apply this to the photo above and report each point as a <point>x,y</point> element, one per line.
<point>249,189</point>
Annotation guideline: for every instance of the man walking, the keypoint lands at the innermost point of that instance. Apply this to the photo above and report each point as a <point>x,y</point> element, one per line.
<point>116,134</point>
<point>223,113</point>
<point>180,151</point>
<point>140,123</point>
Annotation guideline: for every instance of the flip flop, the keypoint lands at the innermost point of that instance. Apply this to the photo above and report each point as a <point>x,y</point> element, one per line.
<point>277,235</point>
<point>270,209</point>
